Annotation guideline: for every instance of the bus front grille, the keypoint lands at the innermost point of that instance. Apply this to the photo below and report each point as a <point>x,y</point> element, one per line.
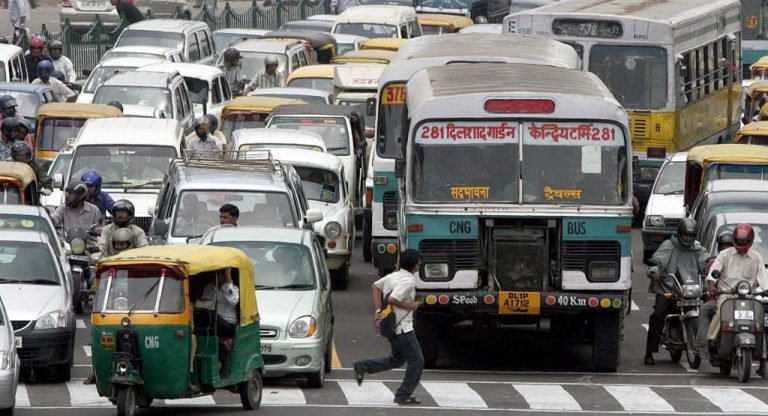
<point>577,254</point>
<point>462,253</point>
<point>638,126</point>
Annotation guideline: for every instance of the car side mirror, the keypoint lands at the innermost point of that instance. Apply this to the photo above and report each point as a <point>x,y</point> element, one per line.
<point>400,168</point>
<point>159,228</point>
<point>313,216</point>
<point>58,180</point>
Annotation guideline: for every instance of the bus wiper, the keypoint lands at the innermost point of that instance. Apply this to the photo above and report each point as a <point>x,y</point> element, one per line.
<point>333,149</point>
<point>297,286</point>
<point>6,280</point>
<point>678,192</point>
<point>141,185</point>
<point>42,282</point>
<point>265,287</point>
<point>143,298</point>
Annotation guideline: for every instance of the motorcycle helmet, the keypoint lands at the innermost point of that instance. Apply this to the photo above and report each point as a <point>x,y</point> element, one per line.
<point>724,240</point>
<point>8,105</point>
<point>57,46</point>
<point>116,104</point>
<point>686,232</point>
<point>743,236</point>
<point>213,121</point>
<point>92,178</point>
<point>59,75</point>
<point>270,60</point>
<point>36,45</point>
<point>122,240</point>
<point>9,123</point>
<point>21,152</point>
<point>44,70</point>
<point>231,55</point>
<point>122,205</point>
<point>75,193</point>
<point>26,125</point>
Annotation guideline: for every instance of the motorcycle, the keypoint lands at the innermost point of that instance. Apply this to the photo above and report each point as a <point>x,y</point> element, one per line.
<point>742,325</point>
<point>81,244</point>
<point>680,328</point>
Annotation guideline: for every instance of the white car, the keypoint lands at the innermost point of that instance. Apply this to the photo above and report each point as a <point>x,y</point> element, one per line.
<point>255,139</point>
<point>322,176</point>
<point>107,69</point>
<point>308,95</point>
<point>346,43</point>
<point>665,207</point>
<point>169,54</point>
<point>10,365</point>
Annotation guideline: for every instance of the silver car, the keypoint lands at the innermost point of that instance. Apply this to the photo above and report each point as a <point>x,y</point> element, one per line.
<point>294,295</point>
<point>83,13</point>
<point>10,365</point>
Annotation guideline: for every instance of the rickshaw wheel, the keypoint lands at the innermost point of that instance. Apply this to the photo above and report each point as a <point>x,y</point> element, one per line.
<point>126,401</point>
<point>250,392</point>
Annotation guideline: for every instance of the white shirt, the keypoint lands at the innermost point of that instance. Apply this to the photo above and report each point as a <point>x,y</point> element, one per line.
<point>401,286</point>
<point>17,9</point>
<point>64,65</point>
<point>735,268</point>
<point>58,87</point>
<point>226,297</point>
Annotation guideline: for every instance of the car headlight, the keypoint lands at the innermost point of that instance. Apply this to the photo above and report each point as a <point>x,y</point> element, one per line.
<point>691,291</point>
<point>5,360</point>
<point>654,220</point>
<point>743,288</point>
<point>434,271</point>
<point>77,245</point>
<point>303,327</point>
<point>56,319</point>
<point>332,230</point>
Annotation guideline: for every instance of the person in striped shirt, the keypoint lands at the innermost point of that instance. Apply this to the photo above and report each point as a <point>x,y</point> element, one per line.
<point>267,78</point>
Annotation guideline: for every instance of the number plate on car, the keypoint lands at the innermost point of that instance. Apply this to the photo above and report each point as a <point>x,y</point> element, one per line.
<point>266,348</point>
<point>519,303</point>
<point>18,342</point>
<point>745,315</point>
<point>94,4</point>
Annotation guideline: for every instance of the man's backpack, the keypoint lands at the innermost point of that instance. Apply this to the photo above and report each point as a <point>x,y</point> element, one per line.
<point>388,322</point>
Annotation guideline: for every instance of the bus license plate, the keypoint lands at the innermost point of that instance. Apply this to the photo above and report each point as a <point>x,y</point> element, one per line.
<point>18,342</point>
<point>266,349</point>
<point>744,315</point>
<point>519,303</point>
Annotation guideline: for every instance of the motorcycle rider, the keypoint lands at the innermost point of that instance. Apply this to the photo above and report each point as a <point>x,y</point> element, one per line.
<point>7,137</point>
<point>21,152</point>
<point>231,68</point>
<point>679,252</point>
<point>76,212</point>
<point>102,200</point>
<point>8,106</point>
<point>739,263</point>
<point>215,132</point>
<point>122,213</point>
<point>35,56</point>
<point>44,71</point>
<point>23,132</point>
<point>60,62</point>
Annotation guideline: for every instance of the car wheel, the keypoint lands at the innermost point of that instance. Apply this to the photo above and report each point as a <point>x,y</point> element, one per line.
<point>317,380</point>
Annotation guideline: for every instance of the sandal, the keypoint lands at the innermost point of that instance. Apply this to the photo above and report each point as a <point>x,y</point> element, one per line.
<point>358,374</point>
<point>408,401</point>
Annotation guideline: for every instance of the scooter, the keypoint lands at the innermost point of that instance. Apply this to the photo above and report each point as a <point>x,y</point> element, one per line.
<point>742,328</point>
<point>679,333</point>
<point>81,244</point>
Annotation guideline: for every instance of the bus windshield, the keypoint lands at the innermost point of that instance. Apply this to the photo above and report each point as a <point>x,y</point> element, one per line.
<point>636,75</point>
<point>391,109</point>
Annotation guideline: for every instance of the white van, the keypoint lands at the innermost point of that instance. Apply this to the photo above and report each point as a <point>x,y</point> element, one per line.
<point>379,22</point>
<point>192,38</point>
<point>13,68</point>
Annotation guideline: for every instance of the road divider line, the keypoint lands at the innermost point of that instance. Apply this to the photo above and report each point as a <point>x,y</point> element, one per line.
<point>88,350</point>
<point>284,396</point>
<point>639,399</point>
<point>644,326</point>
<point>547,397</point>
<point>195,401</point>
<point>85,395</point>
<point>369,393</point>
<point>80,324</point>
<point>454,395</point>
<point>733,400</point>
<point>634,306</point>
<point>22,397</point>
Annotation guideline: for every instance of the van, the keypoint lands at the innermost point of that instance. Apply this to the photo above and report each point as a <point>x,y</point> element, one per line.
<point>379,22</point>
<point>192,38</point>
<point>13,68</point>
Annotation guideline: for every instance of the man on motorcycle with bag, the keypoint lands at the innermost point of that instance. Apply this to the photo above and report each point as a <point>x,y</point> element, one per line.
<point>679,252</point>
<point>739,263</point>
<point>76,212</point>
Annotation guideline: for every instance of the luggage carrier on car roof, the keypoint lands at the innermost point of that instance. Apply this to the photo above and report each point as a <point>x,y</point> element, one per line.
<point>241,160</point>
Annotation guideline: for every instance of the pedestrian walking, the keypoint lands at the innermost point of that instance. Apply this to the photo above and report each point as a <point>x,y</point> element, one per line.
<point>19,13</point>
<point>399,290</point>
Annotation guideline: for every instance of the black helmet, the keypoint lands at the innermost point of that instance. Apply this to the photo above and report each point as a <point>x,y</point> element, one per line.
<point>55,44</point>
<point>21,152</point>
<point>116,104</point>
<point>75,193</point>
<point>9,123</point>
<point>726,237</point>
<point>213,121</point>
<point>231,55</point>
<point>26,124</point>
<point>123,205</point>
<point>59,75</point>
<point>686,231</point>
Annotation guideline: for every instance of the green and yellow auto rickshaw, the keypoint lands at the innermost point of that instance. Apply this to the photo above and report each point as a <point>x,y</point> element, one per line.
<point>155,337</point>
<point>18,184</point>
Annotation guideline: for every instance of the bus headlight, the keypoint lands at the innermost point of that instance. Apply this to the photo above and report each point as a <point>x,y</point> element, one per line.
<point>436,271</point>
<point>654,220</point>
<point>390,220</point>
<point>332,230</point>
<point>603,271</point>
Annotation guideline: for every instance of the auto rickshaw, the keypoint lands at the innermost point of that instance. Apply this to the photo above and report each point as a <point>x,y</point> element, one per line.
<point>384,44</point>
<point>754,95</point>
<point>58,122</point>
<point>319,77</point>
<point>365,56</point>
<point>155,337</point>
<point>249,112</point>
<point>322,46</point>
<point>721,161</point>
<point>18,184</point>
<point>759,70</point>
<point>755,132</point>
<point>440,24</point>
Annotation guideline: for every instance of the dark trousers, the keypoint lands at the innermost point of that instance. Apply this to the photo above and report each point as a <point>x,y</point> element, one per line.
<point>405,350</point>
<point>661,309</point>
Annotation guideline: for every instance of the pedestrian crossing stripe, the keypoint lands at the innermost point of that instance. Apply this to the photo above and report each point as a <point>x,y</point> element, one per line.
<point>554,397</point>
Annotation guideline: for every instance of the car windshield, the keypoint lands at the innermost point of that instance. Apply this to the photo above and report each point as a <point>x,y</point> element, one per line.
<point>143,96</point>
<point>324,84</point>
<point>278,265</point>
<point>137,290</point>
<point>714,209</point>
<point>27,263</point>
<point>199,210</point>
<point>368,30</point>
<point>168,40</point>
<point>333,130</point>
<point>309,99</point>
<point>238,121</point>
<point>120,54</point>
<point>27,223</point>
<point>253,62</point>
<point>761,237</point>
<point>369,119</point>
<point>260,146</point>
<point>431,30</point>
<point>122,166</point>
<point>56,131</point>
<point>726,171</point>
<point>101,75</point>
<point>319,184</point>
<point>671,179</point>
<point>342,48</point>
<point>28,103</point>
<point>636,75</point>
<point>9,193</point>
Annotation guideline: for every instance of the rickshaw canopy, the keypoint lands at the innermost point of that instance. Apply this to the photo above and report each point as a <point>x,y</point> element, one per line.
<point>77,110</point>
<point>756,128</point>
<point>18,171</point>
<point>448,21</point>
<point>386,44</point>
<point>700,158</point>
<point>371,56</point>
<point>312,71</point>
<point>761,63</point>
<point>757,87</point>
<point>192,260</point>
<point>256,104</point>
<point>317,40</point>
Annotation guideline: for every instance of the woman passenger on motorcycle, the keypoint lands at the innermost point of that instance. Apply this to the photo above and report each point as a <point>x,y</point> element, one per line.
<point>679,252</point>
